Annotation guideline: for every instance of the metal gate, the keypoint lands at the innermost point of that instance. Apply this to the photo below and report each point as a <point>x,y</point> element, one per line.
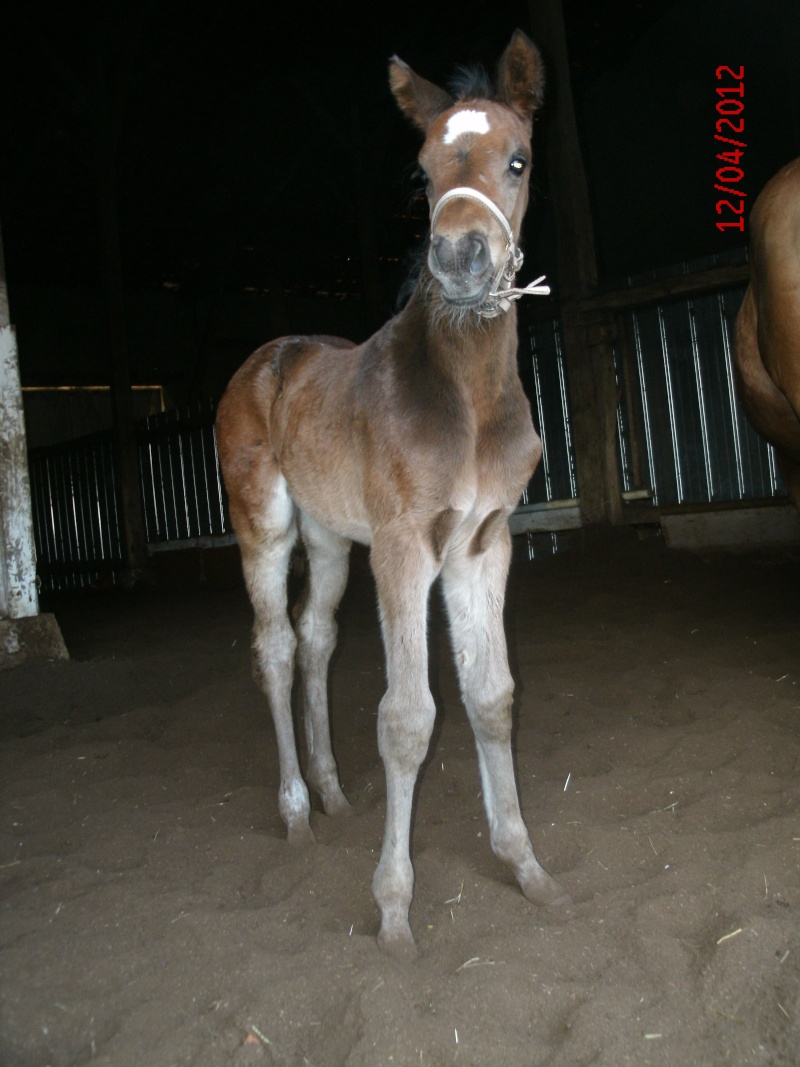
<point>681,433</point>
<point>681,430</point>
<point>181,479</point>
<point>76,513</point>
<point>76,502</point>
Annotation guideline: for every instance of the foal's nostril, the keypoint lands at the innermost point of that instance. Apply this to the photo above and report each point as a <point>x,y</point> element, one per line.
<point>480,256</point>
<point>444,254</point>
<point>468,255</point>
<point>473,254</point>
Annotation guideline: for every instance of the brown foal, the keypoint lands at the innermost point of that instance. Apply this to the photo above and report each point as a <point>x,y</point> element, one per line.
<point>417,443</point>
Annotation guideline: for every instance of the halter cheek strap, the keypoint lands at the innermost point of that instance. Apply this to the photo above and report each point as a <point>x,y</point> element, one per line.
<point>501,292</point>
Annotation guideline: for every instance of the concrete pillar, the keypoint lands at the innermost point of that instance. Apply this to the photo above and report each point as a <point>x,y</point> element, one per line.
<point>18,595</point>
<point>23,631</point>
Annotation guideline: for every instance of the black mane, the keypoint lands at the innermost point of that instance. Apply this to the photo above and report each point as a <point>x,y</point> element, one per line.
<point>471,82</point>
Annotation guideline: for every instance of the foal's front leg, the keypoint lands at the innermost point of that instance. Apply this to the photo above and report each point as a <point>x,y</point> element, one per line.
<point>474,590</point>
<point>403,572</point>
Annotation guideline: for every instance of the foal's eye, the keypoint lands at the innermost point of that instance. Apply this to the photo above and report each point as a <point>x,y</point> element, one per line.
<point>517,166</point>
<point>421,177</point>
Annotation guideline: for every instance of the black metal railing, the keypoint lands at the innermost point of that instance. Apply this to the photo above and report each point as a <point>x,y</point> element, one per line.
<point>76,502</point>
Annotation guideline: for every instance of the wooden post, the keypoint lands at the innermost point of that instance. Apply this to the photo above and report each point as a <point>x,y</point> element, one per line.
<point>588,339</point>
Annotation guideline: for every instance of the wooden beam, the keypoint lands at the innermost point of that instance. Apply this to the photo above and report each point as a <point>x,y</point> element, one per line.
<point>667,287</point>
<point>588,336</point>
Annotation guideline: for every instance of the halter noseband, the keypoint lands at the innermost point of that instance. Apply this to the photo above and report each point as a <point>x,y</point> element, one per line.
<point>501,292</point>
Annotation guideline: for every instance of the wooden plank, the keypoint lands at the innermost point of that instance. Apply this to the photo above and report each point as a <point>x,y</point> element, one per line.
<point>667,287</point>
<point>546,518</point>
<point>732,528</point>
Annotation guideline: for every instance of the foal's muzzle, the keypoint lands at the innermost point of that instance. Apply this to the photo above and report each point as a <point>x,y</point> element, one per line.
<point>470,254</point>
<point>462,262</point>
<point>464,268</point>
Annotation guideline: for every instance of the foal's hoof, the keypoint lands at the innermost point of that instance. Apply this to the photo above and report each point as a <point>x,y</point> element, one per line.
<point>399,949</point>
<point>338,807</point>
<point>334,802</point>
<point>398,942</point>
<point>545,891</point>
<point>300,835</point>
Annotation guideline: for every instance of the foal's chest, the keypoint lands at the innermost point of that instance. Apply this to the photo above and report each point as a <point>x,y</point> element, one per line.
<point>487,485</point>
<point>506,452</point>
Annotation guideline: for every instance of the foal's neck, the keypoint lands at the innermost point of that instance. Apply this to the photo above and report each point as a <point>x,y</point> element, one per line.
<point>478,354</point>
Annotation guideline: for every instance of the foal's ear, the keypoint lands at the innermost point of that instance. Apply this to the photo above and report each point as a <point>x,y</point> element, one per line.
<point>418,99</point>
<point>520,76</point>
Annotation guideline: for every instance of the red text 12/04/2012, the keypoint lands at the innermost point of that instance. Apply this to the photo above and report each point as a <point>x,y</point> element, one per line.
<point>730,175</point>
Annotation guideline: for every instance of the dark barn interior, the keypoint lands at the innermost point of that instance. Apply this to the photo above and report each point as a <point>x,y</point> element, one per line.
<point>181,186</point>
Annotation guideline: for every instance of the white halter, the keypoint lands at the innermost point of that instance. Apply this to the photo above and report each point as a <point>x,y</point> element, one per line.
<point>501,292</point>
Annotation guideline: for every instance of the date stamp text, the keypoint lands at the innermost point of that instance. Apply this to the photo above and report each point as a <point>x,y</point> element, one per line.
<point>730,148</point>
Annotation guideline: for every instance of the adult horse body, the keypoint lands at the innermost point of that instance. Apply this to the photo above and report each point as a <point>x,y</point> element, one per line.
<point>767,339</point>
<point>417,443</point>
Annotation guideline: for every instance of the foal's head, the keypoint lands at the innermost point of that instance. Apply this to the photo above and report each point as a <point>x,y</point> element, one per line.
<point>476,159</point>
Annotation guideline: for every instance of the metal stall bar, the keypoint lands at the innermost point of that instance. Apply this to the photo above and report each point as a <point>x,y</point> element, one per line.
<point>648,430</point>
<point>565,415</point>
<point>701,401</point>
<point>218,477</point>
<point>732,400</point>
<point>673,425</point>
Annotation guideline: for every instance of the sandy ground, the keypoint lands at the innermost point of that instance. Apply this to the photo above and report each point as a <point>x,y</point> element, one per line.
<point>152,913</point>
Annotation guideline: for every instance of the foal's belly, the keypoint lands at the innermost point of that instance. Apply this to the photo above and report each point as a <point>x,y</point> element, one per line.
<point>343,515</point>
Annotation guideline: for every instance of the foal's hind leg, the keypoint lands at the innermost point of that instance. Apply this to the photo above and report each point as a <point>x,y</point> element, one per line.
<point>474,591</point>
<point>328,562</point>
<point>266,538</point>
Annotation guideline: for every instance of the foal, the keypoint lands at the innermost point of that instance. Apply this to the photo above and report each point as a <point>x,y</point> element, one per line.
<point>417,443</point>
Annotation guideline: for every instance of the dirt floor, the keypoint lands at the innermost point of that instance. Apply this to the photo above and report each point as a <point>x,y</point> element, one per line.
<point>153,914</point>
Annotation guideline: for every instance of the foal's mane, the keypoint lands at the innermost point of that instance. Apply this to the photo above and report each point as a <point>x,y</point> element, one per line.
<point>471,82</point>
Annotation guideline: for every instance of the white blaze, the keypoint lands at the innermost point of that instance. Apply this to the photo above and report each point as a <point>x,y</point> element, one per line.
<point>465,122</point>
